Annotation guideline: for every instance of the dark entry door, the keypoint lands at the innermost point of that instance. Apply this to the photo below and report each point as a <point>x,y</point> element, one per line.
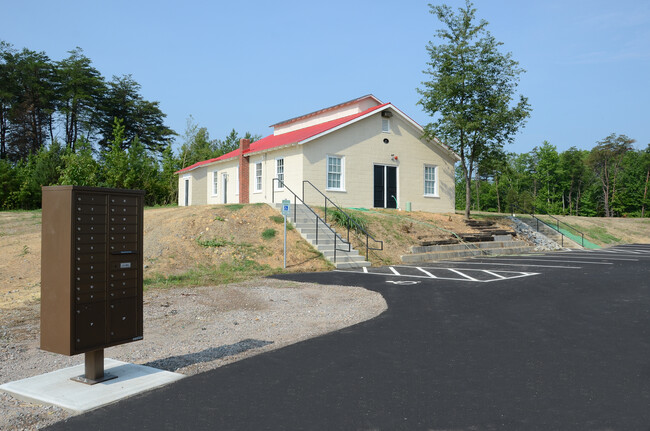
<point>187,192</point>
<point>391,187</point>
<point>385,186</point>
<point>380,181</point>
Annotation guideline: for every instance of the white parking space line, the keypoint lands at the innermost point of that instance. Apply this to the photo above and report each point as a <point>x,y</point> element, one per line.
<point>462,274</point>
<point>580,255</point>
<point>511,264</point>
<point>493,274</point>
<point>427,272</point>
<point>540,259</point>
<point>615,251</point>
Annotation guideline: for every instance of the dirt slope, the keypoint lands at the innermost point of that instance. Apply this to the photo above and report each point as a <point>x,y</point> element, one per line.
<point>172,237</point>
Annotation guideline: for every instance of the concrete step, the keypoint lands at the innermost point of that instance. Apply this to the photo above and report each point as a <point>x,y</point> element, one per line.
<point>348,265</point>
<point>446,255</point>
<point>305,223</point>
<point>354,254</point>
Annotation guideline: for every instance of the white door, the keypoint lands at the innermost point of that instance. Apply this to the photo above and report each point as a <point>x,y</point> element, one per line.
<point>187,192</point>
<point>224,188</point>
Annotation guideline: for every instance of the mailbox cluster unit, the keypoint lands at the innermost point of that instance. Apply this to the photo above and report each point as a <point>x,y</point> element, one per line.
<point>91,268</point>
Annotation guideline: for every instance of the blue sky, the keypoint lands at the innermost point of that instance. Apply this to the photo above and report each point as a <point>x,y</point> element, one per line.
<point>249,64</point>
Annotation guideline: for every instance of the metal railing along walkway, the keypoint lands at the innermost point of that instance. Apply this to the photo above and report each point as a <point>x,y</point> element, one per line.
<point>351,222</point>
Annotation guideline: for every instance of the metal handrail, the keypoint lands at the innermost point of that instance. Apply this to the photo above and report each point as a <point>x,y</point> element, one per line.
<point>295,199</point>
<point>350,219</point>
<point>557,229</point>
<point>558,221</point>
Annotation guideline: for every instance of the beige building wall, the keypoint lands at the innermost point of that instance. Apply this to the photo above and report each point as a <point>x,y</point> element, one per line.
<point>197,179</point>
<point>362,146</point>
<point>229,169</point>
<point>292,174</point>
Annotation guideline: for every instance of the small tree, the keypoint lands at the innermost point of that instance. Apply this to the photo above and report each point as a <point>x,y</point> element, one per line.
<point>471,89</point>
<point>80,168</point>
<point>115,158</point>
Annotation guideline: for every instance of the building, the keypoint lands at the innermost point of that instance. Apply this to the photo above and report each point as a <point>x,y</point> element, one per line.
<point>361,153</point>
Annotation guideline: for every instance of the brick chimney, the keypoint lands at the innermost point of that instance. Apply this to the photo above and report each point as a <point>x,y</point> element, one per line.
<point>244,171</point>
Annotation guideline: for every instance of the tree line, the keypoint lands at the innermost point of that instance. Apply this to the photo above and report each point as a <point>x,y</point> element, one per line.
<point>610,180</point>
<point>62,122</point>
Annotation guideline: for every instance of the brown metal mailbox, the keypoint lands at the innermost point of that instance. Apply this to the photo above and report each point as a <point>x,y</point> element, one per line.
<point>91,268</point>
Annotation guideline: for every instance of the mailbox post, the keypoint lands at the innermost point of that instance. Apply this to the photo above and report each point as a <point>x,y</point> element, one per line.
<point>91,272</point>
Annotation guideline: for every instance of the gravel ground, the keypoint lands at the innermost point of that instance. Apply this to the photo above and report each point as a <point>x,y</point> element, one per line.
<point>188,331</point>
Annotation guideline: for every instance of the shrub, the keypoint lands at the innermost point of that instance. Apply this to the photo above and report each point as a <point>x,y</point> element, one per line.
<point>269,233</point>
<point>353,222</point>
<point>216,242</point>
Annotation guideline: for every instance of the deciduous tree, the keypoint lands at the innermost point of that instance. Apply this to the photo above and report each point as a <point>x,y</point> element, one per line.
<point>605,159</point>
<point>471,91</point>
<point>80,87</point>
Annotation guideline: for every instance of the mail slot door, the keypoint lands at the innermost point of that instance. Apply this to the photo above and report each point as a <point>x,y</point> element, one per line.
<point>90,228</point>
<point>123,200</point>
<point>90,257</point>
<point>123,211</point>
<point>96,268</point>
<point>90,209</point>
<point>122,247</point>
<point>90,325</point>
<point>90,287</point>
<point>123,284</point>
<point>90,198</point>
<point>122,319</point>
<point>123,228</point>
<point>123,219</point>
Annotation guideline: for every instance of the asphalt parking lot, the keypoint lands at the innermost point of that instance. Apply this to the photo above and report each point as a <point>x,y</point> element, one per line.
<point>544,341</point>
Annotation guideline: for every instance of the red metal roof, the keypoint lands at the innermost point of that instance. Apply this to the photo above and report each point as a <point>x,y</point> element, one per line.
<point>294,137</point>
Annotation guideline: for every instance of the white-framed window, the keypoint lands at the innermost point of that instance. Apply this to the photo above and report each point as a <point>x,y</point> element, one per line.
<point>335,173</point>
<point>279,173</point>
<point>430,180</point>
<point>385,125</point>
<point>215,182</point>
<point>258,176</point>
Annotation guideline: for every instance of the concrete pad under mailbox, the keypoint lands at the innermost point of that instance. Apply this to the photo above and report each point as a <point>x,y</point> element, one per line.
<point>57,389</point>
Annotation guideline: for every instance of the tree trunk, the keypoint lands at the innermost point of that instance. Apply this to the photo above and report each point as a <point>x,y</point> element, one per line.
<point>496,185</point>
<point>606,200</point>
<point>468,192</point>
<point>477,181</point>
<point>51,128</point>
<point>3,134</point>
<point>645,194</point>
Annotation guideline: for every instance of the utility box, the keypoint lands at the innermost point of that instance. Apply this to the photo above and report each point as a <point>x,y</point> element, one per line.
<point>91,268</point>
